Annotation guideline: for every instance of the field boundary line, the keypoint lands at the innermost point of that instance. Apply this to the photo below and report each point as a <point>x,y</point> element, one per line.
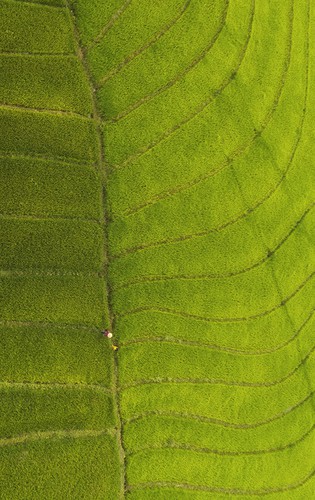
<point>36,54</point>
<point>58,112</point>
<point>70,160</point>
<point>48,272</point>
<point>58,434</point>
<point>48,216</point>
<point>37,4</point>
<point>115,16</point>
<point>65,160</point>
<point>55,385</point>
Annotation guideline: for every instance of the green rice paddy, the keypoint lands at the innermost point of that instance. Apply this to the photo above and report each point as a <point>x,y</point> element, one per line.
<point>157,180</point>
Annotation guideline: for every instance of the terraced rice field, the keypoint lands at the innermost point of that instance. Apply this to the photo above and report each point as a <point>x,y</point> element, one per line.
<point>157,179</point>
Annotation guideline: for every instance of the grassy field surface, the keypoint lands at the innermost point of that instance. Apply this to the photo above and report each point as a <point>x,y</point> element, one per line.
<point>157,179</point>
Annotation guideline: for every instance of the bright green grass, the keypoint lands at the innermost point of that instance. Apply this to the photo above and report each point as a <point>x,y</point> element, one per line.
<point>157,178</point>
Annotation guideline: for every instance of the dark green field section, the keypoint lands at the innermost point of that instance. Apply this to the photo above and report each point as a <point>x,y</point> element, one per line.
<point>55,189</point>
<point>34,407</point>
<point>20,22</point>
<point>157,178</point>
<point>55,466</point>
<point>60,83</point>
<point>53,351</point>
<point>65,138</point>
<point>78,244</point>
<point>58,425</point>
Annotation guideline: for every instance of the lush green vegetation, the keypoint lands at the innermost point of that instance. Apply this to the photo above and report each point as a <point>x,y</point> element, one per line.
<point>157,178</point>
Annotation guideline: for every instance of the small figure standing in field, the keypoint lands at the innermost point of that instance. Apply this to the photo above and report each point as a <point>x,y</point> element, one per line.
<point>107,334</point>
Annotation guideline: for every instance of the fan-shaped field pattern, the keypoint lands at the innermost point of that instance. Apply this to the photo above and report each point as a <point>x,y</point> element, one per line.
<point>210,189</point>
<point>157,176</point>
<point>58,431</point>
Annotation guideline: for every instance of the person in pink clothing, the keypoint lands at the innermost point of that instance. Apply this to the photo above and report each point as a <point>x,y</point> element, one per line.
<point>107,334</point>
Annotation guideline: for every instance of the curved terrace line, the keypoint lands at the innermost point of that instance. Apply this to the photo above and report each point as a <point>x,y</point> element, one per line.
<point>216,229</point>
<point>208,381</point>
<point>228,491</point>
<point>219,348</point>
<point>205,450</point>
<point>148,44</point>
<point>109,25</point>
<point>235,154</point>
<point>174,312</point>
<point>184,72</point>
<point>217,421</point>
<point>207,276</point>
<point>198,110</point>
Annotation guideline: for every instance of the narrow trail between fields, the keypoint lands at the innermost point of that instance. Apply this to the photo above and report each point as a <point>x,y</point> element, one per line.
<point>107,316</point>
